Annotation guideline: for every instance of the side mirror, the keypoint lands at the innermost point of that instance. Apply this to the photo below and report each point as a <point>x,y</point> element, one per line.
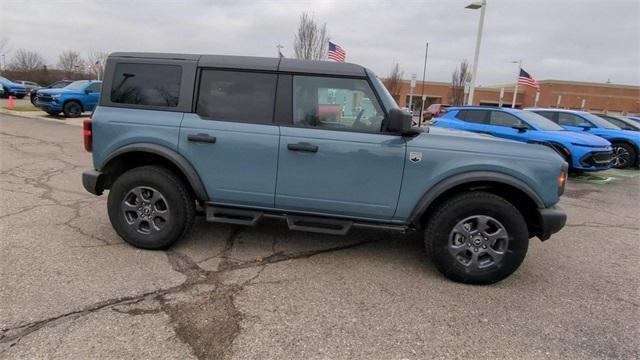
<point>585,126</point>
<point>520,127</point>
<point>401,122</point>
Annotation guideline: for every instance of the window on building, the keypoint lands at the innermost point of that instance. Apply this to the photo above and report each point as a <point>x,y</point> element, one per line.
<point>237,96</point>
<point>336,103</point>
<point>146,84</point>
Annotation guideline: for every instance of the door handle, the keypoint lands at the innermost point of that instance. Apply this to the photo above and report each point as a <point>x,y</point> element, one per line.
<point>302,146</point>
<point>205,138</point>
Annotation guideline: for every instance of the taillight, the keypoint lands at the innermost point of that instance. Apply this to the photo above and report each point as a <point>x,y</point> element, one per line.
<point>87,134</point>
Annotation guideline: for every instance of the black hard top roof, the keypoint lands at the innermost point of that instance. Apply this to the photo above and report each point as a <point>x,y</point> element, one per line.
<point>256,63</point>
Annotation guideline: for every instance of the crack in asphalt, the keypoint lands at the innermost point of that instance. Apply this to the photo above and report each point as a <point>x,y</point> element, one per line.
<point>195,276</point>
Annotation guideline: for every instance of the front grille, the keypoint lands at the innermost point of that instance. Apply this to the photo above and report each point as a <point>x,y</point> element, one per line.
<point>599,159</point>
<point>44,98</point>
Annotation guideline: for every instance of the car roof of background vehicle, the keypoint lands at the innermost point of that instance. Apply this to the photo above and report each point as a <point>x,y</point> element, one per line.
<point>257,63</point>
<point>577,112</point>
<point>486,108</point>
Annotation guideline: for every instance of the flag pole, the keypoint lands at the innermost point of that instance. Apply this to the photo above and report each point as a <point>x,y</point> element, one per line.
<point>424,73</point>
<point>515,90</point>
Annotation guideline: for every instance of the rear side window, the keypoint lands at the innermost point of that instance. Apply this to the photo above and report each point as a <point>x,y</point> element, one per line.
<point>547,114</point>
<point>237,96</point>
<point>473,116</point>
<point>146,84</point>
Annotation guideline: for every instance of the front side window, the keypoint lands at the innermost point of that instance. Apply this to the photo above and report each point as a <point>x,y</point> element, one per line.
<point>566,119</point>
<point>237,96</point>
<point>336,104</point>
<point>500,118</point>
<point>146,84</point>
<point>93,88</point>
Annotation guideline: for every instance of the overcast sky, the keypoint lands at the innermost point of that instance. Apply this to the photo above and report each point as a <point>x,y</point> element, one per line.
<point>557,39</point>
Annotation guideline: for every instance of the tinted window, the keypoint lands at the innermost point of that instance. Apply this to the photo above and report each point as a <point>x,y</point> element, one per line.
<point>335,103</point>
<point>547,114</point>
<point>538,121</point>
<point>473,116</point>
<point>237,96</point>
<point>94,87</point>
<point>146,84</point>
<point>566,119</point>
<point>500,118</point>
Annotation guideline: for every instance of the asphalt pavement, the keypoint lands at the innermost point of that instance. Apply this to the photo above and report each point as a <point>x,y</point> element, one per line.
<point>71,289</point>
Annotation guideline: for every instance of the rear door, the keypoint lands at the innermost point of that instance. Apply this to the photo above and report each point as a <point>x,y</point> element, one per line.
<point>231,139</point>
<point>334,158</point>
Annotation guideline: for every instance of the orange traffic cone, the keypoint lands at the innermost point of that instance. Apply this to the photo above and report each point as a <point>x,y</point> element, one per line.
<point>11,103</point>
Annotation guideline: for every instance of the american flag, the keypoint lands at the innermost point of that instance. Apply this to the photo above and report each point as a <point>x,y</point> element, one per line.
<point>336,53</point>
<point>527,80</point>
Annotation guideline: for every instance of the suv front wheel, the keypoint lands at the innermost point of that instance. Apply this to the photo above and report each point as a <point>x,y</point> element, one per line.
<point>477,238</point>
<point>150,207</point>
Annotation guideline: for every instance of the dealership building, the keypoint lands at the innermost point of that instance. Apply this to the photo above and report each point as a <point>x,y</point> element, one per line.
<point>576,95</point>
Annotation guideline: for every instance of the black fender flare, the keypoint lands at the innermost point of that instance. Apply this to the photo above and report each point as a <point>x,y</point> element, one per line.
<point>469,177</point>
<point>170,155</point>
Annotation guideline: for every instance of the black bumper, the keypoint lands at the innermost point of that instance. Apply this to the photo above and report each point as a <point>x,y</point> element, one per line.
<point>551,221</point>
<point>92,180</point>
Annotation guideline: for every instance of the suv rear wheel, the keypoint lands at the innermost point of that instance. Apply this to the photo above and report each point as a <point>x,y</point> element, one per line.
<point>477,238</point>
<point>150,207</point>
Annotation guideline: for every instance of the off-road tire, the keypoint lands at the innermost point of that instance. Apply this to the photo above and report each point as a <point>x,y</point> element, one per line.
<point>439,230</point>
<point>179,201</point>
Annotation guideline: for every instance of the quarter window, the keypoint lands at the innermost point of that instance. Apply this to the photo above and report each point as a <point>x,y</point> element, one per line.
<point>336,103</point>
<point>237,96</point>
<point>146,84</point>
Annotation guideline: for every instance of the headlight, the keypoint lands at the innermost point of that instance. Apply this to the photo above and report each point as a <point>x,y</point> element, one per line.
<point>55,96</point>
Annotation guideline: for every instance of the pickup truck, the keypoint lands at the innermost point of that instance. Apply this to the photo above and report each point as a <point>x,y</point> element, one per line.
<point>249,138</point>
<point>72,100</point>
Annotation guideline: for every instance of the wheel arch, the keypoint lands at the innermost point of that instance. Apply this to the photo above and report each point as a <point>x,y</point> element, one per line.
<point>511,189</point>
<point>134,155</point>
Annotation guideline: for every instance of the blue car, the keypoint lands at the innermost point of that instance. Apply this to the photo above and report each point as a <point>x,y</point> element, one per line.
<point>72,100</point>
<point>583,152</point>
<point>12,89</point>
<point>626,144</point>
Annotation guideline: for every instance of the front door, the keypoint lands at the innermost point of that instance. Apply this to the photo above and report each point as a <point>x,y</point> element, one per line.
<point>231,139</point>
<point>335,159</point>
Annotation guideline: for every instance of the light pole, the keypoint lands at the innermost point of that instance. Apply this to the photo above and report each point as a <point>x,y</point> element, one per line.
<point>474,6</point>
<point>515,89</point>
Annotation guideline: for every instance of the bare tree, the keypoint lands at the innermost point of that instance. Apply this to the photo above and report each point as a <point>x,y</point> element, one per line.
<point>458,80</point>
<point>70,62</point>
<point>311,41</point>
<point>25,60</point>
<point>394,82</point>
<point>97,59</point>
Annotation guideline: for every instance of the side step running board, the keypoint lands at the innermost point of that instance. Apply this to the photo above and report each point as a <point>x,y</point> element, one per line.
<point>233,216</point>
<point>317,224</point>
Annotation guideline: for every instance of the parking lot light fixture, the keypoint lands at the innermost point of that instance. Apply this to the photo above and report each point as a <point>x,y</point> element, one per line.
<point>474,6</point>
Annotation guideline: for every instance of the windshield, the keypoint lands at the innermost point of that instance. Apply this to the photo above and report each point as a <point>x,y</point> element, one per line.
<point>77,85</point>
<point>539,122</point>
<point>385,97</point>
<point>599,121</point>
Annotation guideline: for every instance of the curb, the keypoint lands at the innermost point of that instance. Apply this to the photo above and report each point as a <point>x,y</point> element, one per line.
<point>38,116</point>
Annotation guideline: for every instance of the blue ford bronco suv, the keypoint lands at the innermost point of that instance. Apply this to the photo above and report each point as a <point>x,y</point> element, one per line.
<point>319,144</point>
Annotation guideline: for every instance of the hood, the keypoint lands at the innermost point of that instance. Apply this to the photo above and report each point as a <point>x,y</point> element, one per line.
<point>59,91</point>
<point>570,136</point>
<point>481,144</point>
<point>11,85</point>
